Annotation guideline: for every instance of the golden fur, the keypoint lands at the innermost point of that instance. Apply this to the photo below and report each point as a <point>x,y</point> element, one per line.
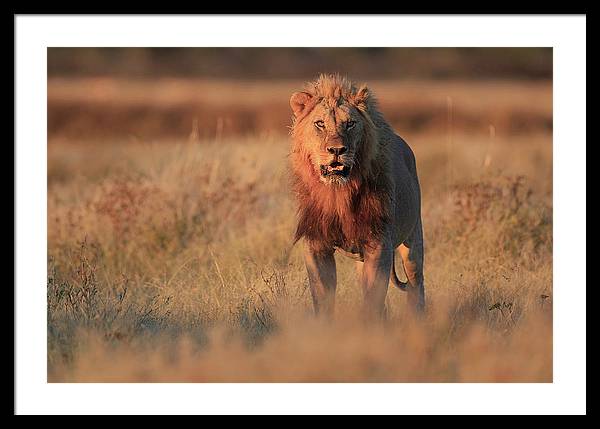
<point>356,186</point>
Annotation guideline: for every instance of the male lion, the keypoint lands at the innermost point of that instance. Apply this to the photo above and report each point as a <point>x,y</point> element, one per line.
<point>358,193</point>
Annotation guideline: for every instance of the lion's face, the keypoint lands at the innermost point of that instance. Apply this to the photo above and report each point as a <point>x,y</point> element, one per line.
<point>332,130</point>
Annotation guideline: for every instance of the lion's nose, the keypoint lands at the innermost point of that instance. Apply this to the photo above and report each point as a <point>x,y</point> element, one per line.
<point>336,150</point>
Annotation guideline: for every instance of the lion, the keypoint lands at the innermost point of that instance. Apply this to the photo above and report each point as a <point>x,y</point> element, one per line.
<point>358,193</point>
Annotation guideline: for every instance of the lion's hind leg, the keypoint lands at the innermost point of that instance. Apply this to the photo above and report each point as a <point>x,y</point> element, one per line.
<point>411,252</point>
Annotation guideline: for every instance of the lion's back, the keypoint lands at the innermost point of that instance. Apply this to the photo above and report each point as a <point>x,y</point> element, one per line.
<point>407,194</point>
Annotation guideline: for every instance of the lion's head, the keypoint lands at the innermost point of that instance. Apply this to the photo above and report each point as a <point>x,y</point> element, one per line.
<point>332,128</point>
<point>339,162</point>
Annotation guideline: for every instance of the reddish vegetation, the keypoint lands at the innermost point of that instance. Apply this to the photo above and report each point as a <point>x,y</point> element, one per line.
<point>98,108</point>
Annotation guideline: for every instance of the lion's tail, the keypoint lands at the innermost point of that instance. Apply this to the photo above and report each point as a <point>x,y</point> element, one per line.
<point>394,277</point>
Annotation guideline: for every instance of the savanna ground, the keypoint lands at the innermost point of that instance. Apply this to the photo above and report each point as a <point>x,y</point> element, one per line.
<point>170,225</point>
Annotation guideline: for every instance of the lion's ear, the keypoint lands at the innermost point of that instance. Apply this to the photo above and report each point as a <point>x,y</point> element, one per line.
<point>298,102</point>
<point>361,98</point>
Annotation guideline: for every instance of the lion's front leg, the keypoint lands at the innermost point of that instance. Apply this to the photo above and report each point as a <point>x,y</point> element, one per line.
<point>320,265</point>
<point>375,278</point>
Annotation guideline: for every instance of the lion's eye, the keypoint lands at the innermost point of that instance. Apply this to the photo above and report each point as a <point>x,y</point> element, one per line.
<point>350,124</point>
<point>319,124</point>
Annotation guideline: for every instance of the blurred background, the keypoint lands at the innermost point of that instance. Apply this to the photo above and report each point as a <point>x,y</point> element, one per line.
<point>152,93</point>
<point>297,63</point>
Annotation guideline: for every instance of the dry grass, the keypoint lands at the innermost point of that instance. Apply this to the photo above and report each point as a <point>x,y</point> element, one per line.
<point>173,262</point>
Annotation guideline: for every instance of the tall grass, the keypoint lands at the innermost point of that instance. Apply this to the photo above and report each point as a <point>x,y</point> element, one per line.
<point>173,262</point>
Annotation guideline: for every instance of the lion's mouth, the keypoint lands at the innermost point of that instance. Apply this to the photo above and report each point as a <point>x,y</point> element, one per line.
<point>335,169</point>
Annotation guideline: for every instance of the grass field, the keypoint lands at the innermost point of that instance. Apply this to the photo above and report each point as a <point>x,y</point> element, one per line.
<point>170,259</point>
